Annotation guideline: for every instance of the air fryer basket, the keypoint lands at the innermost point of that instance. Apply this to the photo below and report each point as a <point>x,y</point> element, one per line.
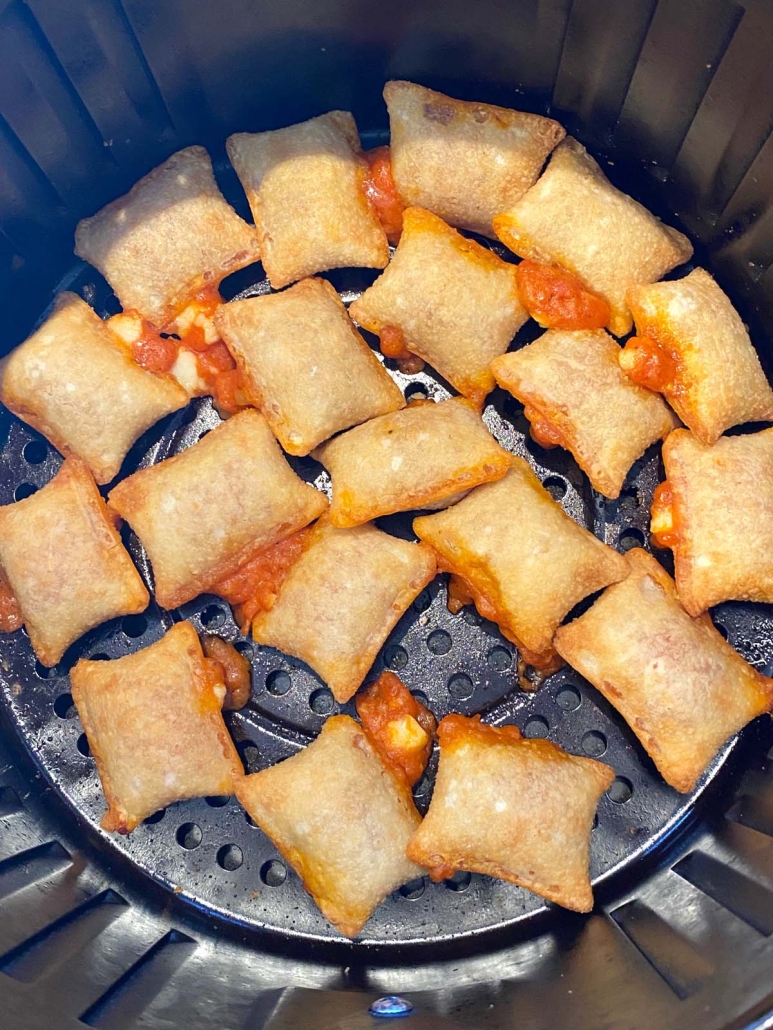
<point>193,921</point>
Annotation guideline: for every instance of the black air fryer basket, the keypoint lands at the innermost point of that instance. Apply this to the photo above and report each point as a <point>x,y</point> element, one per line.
<point>194,921</point>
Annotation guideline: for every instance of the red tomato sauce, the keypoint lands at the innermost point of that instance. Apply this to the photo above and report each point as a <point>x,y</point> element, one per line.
<point>393,345</point>
<point>10,613</point>
<point>542,430</point>
<point>236,670</point>
<point>381,191</point>
<point>380,705</point>
<point>653,365</point>
<point>663,504</point>
<point>556,298</point>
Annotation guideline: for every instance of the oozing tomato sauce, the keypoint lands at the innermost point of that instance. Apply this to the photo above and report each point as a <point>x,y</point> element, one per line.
<point>398,727</point>
<point>663,513</point>
<point>236,670</point>
<point>556,298</point>
<point>459,595</point>
<point>10,613</point>
<point>393,345</point>
<point>650,364</point>
<point>542,430</point>
<point>154,352</point>
<point>381,190</point>
<point>455,730</point>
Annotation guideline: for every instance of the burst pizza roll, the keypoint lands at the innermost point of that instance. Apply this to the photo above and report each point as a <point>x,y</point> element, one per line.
<point>307,368</point>
<point>525,562</point>
<point>76,382</point>
<point>576,396</point>
<point>341,818</point>
<point>521,810</point>
<point>465,161</point>
<point>65,563</point>
<point>714,512</point>
<point>416,458</point>
<point>680,687</point>
<point>154,725</point>
<point>306,187</point>
<point>172,234</point>
<point>203,513</point>
<point>453,302</point>
<point>342,598</point>
<point>574,217</point>
<point>692,347</point>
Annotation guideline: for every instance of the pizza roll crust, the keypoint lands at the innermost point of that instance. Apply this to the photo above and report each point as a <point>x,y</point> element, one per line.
<point>203,513</point>
<point>172,234</point>
<point>76,383</point>
<point>305,186</point>
<point>342,598</point>
<point>65,562</point>
<point>680,687</point>
<point>154,725</point>
<point>505,537</point>
<point>306,366</point>
<point>574,381</point>
<point>719,380</point>
<point>465,161</point>
<point>573,216</point>
<point>521,810</point>
<point>721,517</point>
<point>455,303</point>
<point>425,453</point>
<point>341,819</point>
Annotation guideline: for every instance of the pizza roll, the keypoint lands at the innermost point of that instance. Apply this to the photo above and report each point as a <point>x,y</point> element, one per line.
<point>576,396</point>
<point>203,513</point>
<point>465,161</point>
<point>525,562</point>
<point>65,563</point>
<point>692,346</point>
<point>305,185</point>
<point>306,366</point>
<point>416,457</point>
<point>521,810</point>
<point>714,512</point>
<point>453,302</point>
<point>342,598</point>
<point>680,687</point>
<point>172,234</point>
<point>575,217</point>
<point>75,381</point>
<point>342,820</point>
<point>154,724</point>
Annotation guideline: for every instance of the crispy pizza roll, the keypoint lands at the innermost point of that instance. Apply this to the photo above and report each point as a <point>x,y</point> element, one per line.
<point>576,396</point>
<point>525,562</point>
<point>65,563</point>
<point>692,346</point>
<point>414,458</point>
<point>713,511</point>
<point>521,810</point>
<point>155,727</point>
<point>341,818</point>
<point>203,513</point>
<point>306,187</point>
<point>342,598</point>
<point>574,217</point>
<point>306,366</point>
<point>172,234</point>
<point>75,381</point>
<point>465,161</point>
<point>680,687</point>
<point>453,302</point>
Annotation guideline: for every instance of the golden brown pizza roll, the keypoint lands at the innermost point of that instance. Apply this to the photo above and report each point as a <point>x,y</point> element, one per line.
<point>203,513</point>
<point>155,728</point>
<point>521,810</point>
<point>465,161</point>
<point>574,217</point>
<point>306,366</point>
<point>172,234</point>
<point>342,820</point>
<point>305,185</point>
<point>680,687</point>
<point>454,303</point>
<point>714,512</point>
<point>576,396</point>
<point>692,346</point>
<point>65,563</point>
<point>414,458</point>
<point>342,598</point>
<point>75,381</point>
<point>525,562</point>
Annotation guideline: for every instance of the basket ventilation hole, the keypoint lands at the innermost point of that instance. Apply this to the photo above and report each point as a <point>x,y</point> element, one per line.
<point>321,701</point>
<point>460,686</point>
<point>64,706</point>
<point>569,699</point>
<point>35,452</point>
<point>594,744</point>
<point>213,615</point>
<point>459,882</point>
<point>620,791</point>
<point>134,625</point>
<point>395,657</point>
<point>439,642</point>
<point>24,490</point>
<point>230,857</point>
<point>189,836</point>
<point>273,873</point>
<point>499,659</point>
<point>218,801</point>
<point>413,889</point>
<point>556,487</point>
<point>83,746</point>
<point>631,538</point>
<point>537,726</point>
<point>278,682</point>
